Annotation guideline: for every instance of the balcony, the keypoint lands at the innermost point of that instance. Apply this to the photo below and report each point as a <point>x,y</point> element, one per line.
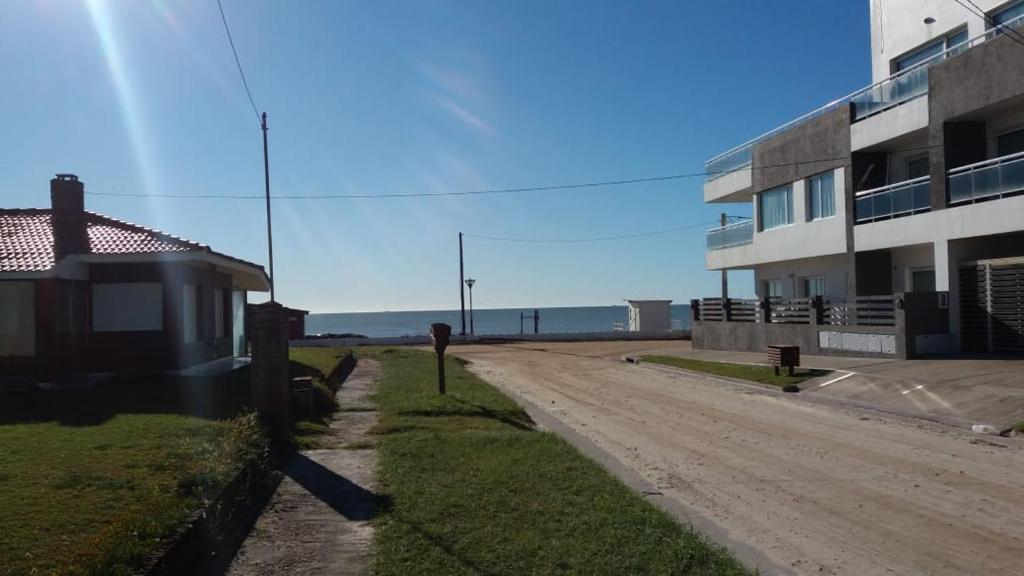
<point>892,201</point>
<point>891,92</point>
<point>735,234</point>
<point>993,178</point>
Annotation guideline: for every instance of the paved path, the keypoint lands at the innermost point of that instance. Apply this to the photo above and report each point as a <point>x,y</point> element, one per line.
<point>812,486</point>
<point>319,519</point>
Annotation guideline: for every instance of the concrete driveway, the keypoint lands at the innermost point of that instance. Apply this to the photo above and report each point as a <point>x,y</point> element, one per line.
<point>957,391</point>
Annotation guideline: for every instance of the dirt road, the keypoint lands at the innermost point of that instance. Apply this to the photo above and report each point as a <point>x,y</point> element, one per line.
<point>814,487</point>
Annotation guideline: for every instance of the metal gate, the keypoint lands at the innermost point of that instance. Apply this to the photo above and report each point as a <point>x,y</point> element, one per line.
<point>992,306</point>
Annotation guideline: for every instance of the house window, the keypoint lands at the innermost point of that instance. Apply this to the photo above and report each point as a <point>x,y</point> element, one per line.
<point>218,313</point>
<point>1008,14</point>
<point>238,322</point>
<point>821,190</point>
<point>922,280</point>
<point>814,286</point>
<point>190,313</point>
<point>772,288</point>
<point>127,307</point>
<point>929,51</point>
<point>1010,143</point>
<point>776,207</point>
<point>17,319</point>
<point>917,167</point>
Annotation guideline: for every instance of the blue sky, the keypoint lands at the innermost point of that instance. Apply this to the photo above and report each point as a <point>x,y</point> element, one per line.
<point>399,97</point>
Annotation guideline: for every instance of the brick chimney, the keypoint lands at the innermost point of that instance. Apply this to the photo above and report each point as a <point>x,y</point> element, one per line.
<point>67,199</point>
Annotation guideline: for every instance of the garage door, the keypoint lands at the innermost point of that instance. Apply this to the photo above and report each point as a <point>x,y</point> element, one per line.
<point>992,306</point>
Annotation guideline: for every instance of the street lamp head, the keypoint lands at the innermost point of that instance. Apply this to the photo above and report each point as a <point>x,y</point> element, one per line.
<point>470,282</point>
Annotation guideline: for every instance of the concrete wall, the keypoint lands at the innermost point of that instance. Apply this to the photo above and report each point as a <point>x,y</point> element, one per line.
<point>891,124</point>
<point>897,27</point>
<point>756,337</point>
<point>731,187</point>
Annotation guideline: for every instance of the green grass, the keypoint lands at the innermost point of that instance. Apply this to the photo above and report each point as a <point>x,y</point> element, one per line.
<point>1019,427</point>
<point>318,362</point>
<point>760,374</point>
<point>473,488</point>
<point>100,489</point>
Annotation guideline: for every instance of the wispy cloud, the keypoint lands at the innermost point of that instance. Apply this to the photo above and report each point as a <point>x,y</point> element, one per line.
<point>464,114</point>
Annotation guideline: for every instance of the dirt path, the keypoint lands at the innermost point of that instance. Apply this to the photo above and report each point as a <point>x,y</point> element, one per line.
<point>815,488</point>
<point>318,521</point>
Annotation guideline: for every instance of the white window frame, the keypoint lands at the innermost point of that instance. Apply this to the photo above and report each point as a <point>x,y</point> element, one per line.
<point>790,218</point>
<point>809,190</point>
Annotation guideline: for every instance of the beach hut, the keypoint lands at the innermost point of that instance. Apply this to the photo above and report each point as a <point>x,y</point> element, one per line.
<point>650,315</point>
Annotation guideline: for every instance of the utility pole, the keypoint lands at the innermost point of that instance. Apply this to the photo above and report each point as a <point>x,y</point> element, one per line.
<point>462,287</point>
<point>266,182</point>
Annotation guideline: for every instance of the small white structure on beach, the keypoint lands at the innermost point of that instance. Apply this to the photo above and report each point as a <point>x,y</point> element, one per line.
<point>650,315</point>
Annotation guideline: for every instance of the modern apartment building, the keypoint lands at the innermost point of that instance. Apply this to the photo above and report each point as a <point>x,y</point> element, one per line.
<point>897,207</point>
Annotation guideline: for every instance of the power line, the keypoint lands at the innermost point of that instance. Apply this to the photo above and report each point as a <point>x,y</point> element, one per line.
<point>980,12</point>
<point>237,61</point>
<point>598,239</point>
<point>546,188</point>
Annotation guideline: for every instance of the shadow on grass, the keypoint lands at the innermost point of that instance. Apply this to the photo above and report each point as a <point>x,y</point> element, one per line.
<point>514,418</point>
<point>210,397</point>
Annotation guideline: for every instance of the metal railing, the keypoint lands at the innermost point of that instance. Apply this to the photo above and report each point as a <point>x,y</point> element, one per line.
<point>894,200</point>
<point>897,89</point>
<point>734,234</point>
<point>993,178</point>
<point>861,311</point>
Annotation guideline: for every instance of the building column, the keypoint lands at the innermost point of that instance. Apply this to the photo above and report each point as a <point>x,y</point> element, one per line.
<point>947,279</point>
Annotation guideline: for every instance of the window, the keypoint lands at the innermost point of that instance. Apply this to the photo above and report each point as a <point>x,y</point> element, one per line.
<point>190,313</point>
<point>917,167</point>
<point>772,288</point>
<point>17,319</point>
<point>922,280</point>
<point>1011,142</point>
<point>776,207</point>
<point>814,286</point>
<point>929,51</point>
<point>218,313</point>
<point>821,190</point>
<point>1008,14</point>
<point>127,307</point>
<point>238,322</point>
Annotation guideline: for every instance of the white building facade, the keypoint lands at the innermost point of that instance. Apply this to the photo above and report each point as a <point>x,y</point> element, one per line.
<point>914,184</point>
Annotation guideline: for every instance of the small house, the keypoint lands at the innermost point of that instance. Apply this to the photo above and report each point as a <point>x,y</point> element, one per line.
<point>650,316</point>
<point>81,292</point>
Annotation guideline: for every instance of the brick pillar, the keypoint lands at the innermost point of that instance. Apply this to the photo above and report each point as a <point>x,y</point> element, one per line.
<point>269,385</point>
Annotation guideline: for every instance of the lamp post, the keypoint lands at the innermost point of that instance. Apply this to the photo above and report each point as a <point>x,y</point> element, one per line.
<point>470,282</point>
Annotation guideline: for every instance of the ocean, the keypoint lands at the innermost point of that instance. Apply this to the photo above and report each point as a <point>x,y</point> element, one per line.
<point>485,322</point>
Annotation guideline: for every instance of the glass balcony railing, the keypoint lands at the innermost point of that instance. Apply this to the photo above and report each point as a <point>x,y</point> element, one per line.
<point>893,91</point>
<point>993,178</point>
<point>735,234</point>
<point>731,161</point>
<point>892,201</point>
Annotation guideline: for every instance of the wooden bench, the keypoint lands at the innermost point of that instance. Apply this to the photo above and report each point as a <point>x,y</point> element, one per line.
<point>779,356</point>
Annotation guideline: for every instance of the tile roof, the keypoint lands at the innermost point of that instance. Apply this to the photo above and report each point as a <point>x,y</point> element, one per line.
<point>26,240</point>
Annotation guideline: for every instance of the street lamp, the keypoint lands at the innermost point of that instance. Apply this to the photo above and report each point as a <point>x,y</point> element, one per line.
<point>470,282</point>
